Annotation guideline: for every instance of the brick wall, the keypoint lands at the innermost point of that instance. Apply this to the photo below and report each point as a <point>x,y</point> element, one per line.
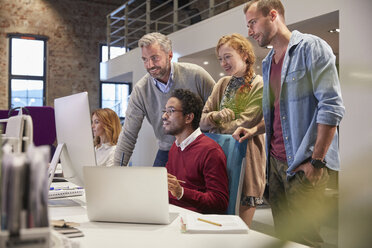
<point>75,29</point>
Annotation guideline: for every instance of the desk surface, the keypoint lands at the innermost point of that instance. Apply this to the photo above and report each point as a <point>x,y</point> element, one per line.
<point>104,234</point>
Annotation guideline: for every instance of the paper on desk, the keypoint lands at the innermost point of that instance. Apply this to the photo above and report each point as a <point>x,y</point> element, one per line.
<point>229,224</point>
<point>61,241</point>
<point>63,223</point>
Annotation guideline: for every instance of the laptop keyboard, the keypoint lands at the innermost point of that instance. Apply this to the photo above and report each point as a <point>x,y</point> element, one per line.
<point>63,193</point>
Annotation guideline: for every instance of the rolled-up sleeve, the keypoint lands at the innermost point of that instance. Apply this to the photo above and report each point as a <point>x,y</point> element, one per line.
<point>326,85</point>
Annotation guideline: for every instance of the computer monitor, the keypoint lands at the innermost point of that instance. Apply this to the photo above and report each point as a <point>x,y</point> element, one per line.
<point>74,136</point>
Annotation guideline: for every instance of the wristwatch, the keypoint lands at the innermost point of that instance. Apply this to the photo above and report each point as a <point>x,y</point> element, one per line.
<point>318,163</point>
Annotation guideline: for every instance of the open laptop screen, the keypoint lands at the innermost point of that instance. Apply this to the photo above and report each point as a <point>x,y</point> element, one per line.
<point>127,194</point>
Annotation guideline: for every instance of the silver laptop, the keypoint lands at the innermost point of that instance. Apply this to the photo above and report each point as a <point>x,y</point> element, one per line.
<point>127,194</point>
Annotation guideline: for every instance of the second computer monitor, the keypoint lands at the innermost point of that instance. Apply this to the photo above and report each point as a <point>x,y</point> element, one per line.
<point>74,136</point>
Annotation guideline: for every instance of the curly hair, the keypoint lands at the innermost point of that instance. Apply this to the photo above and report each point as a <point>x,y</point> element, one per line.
<point>191,103</point>
<point>242,46</point>
<point>111,125</point>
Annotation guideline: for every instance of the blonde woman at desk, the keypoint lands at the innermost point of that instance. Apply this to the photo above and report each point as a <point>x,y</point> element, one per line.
<point>106,129</point>
<point>236,102</point>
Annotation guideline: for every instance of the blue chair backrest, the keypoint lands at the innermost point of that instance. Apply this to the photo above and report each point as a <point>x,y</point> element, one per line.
<point>235,154</point>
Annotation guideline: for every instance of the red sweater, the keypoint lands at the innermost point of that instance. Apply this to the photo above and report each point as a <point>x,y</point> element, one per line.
<point>202,165</point>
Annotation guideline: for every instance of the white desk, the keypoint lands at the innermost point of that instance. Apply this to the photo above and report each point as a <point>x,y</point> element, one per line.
<point>102,234</point>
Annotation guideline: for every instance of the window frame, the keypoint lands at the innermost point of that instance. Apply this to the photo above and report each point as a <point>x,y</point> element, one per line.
<point>110,82</point>
<point>10,36</point>
<point>120,83</point>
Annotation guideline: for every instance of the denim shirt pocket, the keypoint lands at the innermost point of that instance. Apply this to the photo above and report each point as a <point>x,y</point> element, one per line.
<point>297,84</point>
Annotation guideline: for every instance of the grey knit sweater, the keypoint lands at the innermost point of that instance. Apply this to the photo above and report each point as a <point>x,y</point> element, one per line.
<point>147,100</point>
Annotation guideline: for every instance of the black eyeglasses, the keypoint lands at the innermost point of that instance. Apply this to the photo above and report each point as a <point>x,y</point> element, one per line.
<point>170,111</point>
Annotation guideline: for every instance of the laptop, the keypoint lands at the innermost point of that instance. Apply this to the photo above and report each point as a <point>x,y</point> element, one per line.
<point>127,194</point>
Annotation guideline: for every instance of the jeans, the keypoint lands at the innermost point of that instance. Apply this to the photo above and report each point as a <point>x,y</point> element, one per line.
<point>297,206</point>
<point>161,159</point>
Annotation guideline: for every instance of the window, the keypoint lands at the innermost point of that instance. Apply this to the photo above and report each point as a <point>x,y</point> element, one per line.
<point>27,65</point>
<point>114,52</point>
<point>114,95</point>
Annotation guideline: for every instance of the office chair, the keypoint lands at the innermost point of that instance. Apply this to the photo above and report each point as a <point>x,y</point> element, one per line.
<point>44,127</point>
<point>235,157</point>
<point>19,132</point>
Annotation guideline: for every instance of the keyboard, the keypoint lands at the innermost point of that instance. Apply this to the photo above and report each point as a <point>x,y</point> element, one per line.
<point>63,193</point>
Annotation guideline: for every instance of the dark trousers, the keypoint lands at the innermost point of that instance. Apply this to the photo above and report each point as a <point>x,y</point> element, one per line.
<point>297,205</point>
<point>161,159</point>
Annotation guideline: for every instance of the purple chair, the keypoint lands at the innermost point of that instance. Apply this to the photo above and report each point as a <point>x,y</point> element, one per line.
<point>44,126</point>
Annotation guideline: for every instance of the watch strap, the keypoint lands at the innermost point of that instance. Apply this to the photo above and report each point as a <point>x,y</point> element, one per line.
<point>318,163</point>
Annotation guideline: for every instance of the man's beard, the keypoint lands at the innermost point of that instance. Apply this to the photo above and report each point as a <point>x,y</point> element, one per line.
<point>264,41</point>
<point>162,71</point>
<point>173,131</point>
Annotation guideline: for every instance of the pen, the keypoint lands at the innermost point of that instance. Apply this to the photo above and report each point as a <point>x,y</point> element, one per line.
<point>65,188</point>
<point>59,188</point>
<point>210,222</point>
<point>181,181</point>
<point>122,160</point>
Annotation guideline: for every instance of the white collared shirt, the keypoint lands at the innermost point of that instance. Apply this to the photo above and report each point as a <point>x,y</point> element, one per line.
<point>189,139</point>
<point>164,87</point>
<point>105,154</point>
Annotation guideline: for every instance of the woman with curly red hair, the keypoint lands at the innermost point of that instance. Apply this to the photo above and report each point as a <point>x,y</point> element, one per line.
<point>236,101</point>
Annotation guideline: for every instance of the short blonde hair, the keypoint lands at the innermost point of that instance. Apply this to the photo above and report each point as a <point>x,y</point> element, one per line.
<point>111,125</point>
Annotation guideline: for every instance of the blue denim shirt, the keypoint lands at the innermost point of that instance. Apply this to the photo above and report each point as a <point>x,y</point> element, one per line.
<point>310,94</point>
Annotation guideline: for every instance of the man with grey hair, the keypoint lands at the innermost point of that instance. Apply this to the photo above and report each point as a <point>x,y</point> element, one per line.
<point>151,93</point>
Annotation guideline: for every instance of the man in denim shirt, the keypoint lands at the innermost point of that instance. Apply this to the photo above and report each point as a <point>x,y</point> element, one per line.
<point>302,108</point>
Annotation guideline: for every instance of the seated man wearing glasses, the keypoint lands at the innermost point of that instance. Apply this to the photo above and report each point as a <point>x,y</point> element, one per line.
<point>197,176</point>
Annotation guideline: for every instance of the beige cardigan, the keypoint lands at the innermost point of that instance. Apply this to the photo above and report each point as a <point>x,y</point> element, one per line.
<point>254,179</point>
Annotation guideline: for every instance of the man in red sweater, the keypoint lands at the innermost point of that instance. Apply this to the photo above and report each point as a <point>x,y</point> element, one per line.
<point>197,176</point>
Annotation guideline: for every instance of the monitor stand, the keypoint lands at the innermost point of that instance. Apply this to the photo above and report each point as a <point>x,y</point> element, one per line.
<point>55,160</point>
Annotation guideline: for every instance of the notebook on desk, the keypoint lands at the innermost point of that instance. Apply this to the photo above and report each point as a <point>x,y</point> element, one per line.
<point>127,194</point>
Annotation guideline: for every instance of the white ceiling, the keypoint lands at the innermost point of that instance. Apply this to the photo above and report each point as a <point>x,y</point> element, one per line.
<point>318,26</point>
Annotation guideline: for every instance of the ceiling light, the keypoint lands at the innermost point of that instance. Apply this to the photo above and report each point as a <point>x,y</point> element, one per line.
<point>362,75</point>
<point>222,74</point>
<point>335,30</point>
<point>269,46</point>
<point>206,62</point>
